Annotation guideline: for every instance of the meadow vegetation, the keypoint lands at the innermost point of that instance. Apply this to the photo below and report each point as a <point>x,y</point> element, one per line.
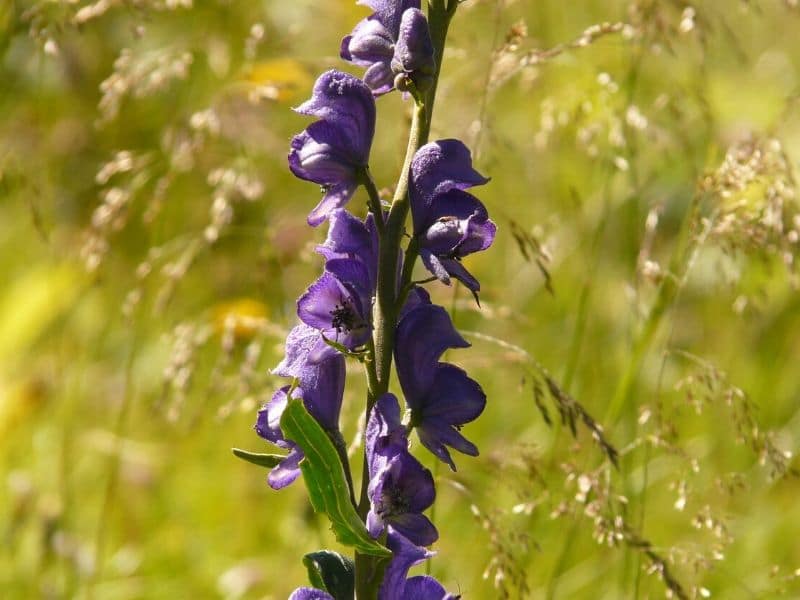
<point>638,335</point>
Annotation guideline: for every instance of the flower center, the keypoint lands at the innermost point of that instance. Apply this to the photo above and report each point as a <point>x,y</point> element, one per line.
<point>344,318</point>
<point>394,503</point>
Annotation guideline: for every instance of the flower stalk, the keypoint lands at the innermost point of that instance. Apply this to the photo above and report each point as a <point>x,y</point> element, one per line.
<point>366,306</point>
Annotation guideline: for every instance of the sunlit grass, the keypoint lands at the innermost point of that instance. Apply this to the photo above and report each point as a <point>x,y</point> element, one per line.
<point>643,159</point>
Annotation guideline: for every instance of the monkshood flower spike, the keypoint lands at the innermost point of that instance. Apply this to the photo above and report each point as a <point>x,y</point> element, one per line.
<point>366,305</point>
<point>334,151</point>
<point>393,43</point>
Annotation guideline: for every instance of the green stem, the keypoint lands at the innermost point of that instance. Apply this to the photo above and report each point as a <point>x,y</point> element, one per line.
<point>341,449</point>
<point>369,570</point>
<point>374,199</point>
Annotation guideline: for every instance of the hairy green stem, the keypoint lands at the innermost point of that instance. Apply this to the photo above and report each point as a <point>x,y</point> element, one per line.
<point>374,199</point>
<point>369,570</point>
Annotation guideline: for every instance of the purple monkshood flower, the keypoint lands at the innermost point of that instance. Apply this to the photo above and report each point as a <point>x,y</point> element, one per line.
<point>339,305</point>
<point>394,40</point>
<point>334,151</point>
<point>400,488</point>
<point>395,584</point>
<point>441,396</point>
<point>350,237</point>
<point>320,386</point>
<point>321,378</point>
<point>449,223</point>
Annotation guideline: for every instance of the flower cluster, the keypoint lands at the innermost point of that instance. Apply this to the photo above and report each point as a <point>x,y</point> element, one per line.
<point>337,311</point>
<point>394,45</point>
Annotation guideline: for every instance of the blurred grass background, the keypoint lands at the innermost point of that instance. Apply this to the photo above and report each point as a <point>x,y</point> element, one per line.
<point>152,243</point>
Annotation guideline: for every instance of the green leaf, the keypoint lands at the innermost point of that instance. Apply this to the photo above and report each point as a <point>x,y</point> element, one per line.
<point>262,460</point>
<point>325,479</point>
<point>332,572</point>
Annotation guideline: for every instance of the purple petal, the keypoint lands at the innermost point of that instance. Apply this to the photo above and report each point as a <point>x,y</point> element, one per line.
<point>414,50</point>
<point>356,278</point>
<point>348,234</point>
<point>300,341</point>
<point>422,336</point>
<point>385,435</point>
<point>435,434</point>
<point>404,556</point>
<point>316,306</point>
<point>458,225</point>
<point>401,488</point>
<point>346,103</point>
<point>322,154</point>
<point>323,390</point>
<point>425,587</point>
<point>414,482</point>
<point>322,351</point>
<point>457,270</point>
<point>458,399</point>
<point>321,375</point>
<point>268,425</point>
<point>307,593</point>
<point>431,437</point>
<point>380,78</point>
<point>287,471</point>
<point>335,197</point>
<point>436,168</point>
<point>416,527</point>
<point>417,296</point>
<point>369,43</point>
<point>374,524</point>
<point>350,237</point>
<point>389,12</point>
<point>434,265</point>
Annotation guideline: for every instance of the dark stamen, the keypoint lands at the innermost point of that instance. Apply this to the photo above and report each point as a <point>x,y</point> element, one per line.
<point>343,317</point>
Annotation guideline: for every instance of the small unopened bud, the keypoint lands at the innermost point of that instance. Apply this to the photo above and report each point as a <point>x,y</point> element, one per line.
<point>403,83</point>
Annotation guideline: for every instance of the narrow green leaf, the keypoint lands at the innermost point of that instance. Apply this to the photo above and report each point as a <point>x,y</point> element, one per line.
<point>332,572</point>
<point>325,479</point>
<point>262,460</point>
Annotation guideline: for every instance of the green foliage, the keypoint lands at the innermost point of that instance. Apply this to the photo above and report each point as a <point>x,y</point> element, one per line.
<point>262,460</point>
<point>325,479</point>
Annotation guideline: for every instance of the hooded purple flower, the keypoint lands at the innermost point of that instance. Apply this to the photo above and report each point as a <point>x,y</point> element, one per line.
<point>394,40</point>
<point>350,237</point>
<point>321,379</point>
<point>320,386</point>
<point>449,223</point>
<point>334,151</point>
<point>400,488</point>
<point>441,396</point>
<point>339,305</point>
<point>395,586</point>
